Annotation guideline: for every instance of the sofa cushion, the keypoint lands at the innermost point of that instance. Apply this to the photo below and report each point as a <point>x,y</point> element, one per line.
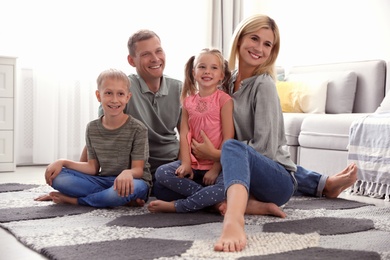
<point>340,92</point>
<point>302,96</point>
<point>292,126</point>
<point>327,131</point>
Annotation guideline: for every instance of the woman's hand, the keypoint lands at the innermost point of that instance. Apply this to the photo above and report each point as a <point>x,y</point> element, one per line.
<point>203,150</point>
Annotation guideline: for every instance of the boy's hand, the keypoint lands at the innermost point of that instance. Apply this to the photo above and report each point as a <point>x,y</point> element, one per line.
<point>52,170</point>
<point>124,183</point>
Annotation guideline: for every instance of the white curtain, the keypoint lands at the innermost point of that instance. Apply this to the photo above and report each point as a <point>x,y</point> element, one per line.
<point>61,48</point>
<point>226,14</point>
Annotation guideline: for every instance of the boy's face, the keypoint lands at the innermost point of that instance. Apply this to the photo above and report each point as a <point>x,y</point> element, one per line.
<point>149,59</point>
<point>113,94</point>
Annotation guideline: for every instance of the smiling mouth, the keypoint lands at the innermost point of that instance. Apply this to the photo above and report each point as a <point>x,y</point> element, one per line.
<point>155,67</point>
<point>254,55</point>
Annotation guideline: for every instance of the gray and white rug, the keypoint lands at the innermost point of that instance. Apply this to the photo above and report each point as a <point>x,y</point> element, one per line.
<point>314,228</point>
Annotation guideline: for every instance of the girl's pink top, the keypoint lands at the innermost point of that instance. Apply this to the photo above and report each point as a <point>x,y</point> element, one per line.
<point>204,113</point>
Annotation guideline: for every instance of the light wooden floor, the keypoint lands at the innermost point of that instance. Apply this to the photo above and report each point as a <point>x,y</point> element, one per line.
<point>10,248</point>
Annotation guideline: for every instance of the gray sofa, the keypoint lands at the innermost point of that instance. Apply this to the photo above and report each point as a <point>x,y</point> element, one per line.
<point>319,141</point>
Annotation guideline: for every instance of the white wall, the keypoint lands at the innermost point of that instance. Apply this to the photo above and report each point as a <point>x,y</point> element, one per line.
<point>88,36</point>
<point>322,31</point>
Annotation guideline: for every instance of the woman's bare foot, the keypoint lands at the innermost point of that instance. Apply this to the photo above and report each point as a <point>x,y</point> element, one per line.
<point>339,182</point>
<point>233,237</point>
<point>45,197</point>
<point>60,198</point>
<point>255,207</point>
<point>161,206</point>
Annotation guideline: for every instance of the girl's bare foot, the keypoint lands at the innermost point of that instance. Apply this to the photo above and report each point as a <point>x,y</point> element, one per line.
<point>161,206</point>
<point>45,197</point>
<point>255,207</point>
<point>221,207</point>
<point>339,182</point>
<point>136,203</point>
<point>60,198</point>
<point>233,237</point>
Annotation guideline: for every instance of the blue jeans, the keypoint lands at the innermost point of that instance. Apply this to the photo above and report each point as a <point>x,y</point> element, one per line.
<point>310,183</point>
<point>96,191</point>
<point>265,179</point>
<point>190,195</point>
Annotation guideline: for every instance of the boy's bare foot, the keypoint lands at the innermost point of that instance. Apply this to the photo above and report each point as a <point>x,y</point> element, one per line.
<point>255,207</point>
<point>161,206</point>
<point>136,203</point>
<point>60,198</point>
<point>233,237</point>
<point>45,197</point>
<point>339,182</point>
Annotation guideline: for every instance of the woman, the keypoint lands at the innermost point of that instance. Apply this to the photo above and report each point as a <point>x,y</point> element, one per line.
<point>258,173</point>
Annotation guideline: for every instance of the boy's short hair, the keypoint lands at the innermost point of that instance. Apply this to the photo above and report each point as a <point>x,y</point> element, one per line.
<point>113,74</point>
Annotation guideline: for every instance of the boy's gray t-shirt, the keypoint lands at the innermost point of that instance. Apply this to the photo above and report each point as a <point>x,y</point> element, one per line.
<point>115,149</point>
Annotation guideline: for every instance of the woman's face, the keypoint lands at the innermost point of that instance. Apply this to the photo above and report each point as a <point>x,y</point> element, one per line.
<point>255,48</point>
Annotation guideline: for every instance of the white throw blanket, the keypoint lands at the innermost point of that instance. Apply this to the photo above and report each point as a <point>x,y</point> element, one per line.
<point>369,148</point>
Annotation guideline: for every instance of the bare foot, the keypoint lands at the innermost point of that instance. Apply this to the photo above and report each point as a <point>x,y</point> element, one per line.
<point>255,207</point>
<point>337,183</point>
<point>60,198</point>
<point>221,207</point>
<point>161,206</point>
<point>136,203</point>
<point>233,237</point>
<point>45,197</point>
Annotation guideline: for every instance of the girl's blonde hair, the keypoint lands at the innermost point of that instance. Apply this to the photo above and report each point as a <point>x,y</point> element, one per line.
<point>250,25</point>
<point>190,86</point>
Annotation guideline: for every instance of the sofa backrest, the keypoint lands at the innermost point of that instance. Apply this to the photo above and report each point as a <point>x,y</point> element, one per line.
<point>371,81</point>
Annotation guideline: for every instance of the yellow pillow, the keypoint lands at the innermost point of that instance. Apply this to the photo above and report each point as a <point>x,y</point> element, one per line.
<point>302,97</point>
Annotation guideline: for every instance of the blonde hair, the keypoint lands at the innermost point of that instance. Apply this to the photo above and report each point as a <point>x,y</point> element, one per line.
<point>189,85</point>
<point>249,25</point>
<point>113,74</point>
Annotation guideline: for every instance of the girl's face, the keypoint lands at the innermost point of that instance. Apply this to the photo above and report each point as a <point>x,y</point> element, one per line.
<point>113,95</point>
<point>255,48</point>
<point>208,71</point>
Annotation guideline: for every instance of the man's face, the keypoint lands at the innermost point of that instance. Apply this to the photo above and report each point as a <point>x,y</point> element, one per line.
<point>149,59</point>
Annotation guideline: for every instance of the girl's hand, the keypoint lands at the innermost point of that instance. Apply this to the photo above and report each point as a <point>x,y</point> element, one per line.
<point>124,183</point>
<point>184,171</point>
<point>210,177</point>
<point>52,171</point>
<point>202,150</point>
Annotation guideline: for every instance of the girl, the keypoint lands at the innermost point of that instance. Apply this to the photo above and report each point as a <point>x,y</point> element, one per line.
<point>205,109</point>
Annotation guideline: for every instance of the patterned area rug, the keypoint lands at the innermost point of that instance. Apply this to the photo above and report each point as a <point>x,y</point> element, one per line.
<point>315,228</point>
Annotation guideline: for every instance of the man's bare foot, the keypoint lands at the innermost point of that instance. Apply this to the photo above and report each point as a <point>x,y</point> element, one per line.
<point>45,197</point>
<point>60,198</point>
<point>339,182</point>
<point>161,206</point>
<point>136,203</point>
<point>255,207</point>
<point>233,237</point>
